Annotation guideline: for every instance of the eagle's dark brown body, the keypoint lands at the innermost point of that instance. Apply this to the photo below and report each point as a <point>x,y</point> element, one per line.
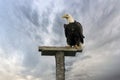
<point>74,33</point>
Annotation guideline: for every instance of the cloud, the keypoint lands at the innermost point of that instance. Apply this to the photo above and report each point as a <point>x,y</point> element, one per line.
<point>10,65</point>
<point>99,23</point>
<point>27,24</point>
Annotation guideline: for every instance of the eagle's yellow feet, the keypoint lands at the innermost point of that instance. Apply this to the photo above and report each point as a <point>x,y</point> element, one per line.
<point>77,47</point>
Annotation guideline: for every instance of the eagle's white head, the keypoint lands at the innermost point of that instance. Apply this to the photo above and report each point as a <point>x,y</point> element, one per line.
<point>68,17</point>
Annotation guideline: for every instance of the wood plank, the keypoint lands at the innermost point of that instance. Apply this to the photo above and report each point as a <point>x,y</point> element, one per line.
<point>52,50</point>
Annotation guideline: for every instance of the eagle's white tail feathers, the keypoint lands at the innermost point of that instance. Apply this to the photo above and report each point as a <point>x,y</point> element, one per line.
<point>81,46</point>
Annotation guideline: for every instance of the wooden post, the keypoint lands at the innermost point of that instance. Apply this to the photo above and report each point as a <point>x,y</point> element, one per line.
<point>59,53</point>
<point>60,68</point>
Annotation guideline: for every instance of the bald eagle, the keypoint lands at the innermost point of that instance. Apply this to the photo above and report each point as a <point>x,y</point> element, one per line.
<point>73,32</point>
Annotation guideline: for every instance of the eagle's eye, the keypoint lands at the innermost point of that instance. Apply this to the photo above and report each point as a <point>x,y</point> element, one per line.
<point>67,15</point>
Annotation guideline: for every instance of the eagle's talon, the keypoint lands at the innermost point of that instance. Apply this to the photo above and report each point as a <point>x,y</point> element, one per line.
<point>77,47</point>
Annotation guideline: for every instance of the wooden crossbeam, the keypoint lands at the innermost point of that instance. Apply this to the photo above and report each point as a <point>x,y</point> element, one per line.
<point>51,50</point>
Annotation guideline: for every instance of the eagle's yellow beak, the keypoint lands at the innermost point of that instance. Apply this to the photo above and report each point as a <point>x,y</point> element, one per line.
<point>64,16</point>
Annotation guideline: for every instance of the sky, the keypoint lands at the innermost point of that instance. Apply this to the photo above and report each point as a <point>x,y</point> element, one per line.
<point>27,24</point>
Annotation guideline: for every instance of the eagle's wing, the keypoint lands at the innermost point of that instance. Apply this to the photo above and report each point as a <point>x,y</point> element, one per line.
<point>66,32</point>
<point>80,29</point>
